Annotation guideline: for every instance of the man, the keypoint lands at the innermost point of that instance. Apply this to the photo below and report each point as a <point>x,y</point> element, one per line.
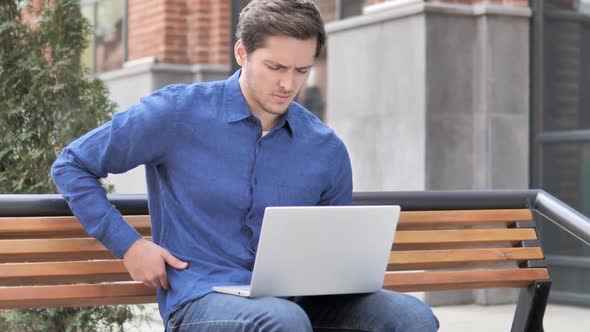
<point>216,154</point>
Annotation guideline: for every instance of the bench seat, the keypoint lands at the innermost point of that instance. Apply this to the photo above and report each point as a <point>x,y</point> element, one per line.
<point>51,261</point>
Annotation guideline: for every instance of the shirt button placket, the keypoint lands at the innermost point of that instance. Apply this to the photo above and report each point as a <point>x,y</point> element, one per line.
<point>256,156</point>
<point>254,182</point>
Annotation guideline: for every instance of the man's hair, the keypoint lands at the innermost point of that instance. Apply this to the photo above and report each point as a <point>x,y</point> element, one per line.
<point>299,19</point>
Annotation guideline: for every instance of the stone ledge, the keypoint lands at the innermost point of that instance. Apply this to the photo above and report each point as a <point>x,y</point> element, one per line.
<point>145,65</point>
<point>410,8</point>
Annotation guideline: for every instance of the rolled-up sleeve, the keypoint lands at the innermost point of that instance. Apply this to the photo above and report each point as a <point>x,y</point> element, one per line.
<point>140,135</point>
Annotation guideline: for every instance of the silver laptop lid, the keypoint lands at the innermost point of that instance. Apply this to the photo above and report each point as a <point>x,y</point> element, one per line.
<point>323,250</point>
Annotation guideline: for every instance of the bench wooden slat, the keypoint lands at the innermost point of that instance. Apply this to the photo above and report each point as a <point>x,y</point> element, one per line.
<point>36,250</point>
<point>465,236</point>
<point>52,249</point>
<point>462,217</point>
<point>67,226</point>
<point>48,273</point>
<point>454,280</point>
<point>114,270</point>
<point>132,292</point>
<point>75,295</point>
<point>87,248</point>
<point>435,259</point>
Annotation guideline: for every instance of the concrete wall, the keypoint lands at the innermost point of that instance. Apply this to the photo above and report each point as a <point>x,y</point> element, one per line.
<point>478,101</point>
<point>140,78</point>
<point>376,100</point>
<point>431,96</point>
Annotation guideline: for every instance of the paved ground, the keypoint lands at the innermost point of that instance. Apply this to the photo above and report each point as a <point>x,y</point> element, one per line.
<point>499,318</point>
<point>470,318</point>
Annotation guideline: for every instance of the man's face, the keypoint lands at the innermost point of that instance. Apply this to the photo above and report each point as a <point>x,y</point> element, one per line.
<point>273,75</point>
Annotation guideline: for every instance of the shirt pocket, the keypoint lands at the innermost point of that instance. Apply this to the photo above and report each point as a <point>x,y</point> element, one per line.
<point>298,195</point>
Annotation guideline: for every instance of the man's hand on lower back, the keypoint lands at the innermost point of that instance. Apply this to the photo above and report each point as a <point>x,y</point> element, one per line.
<point>146,262</point>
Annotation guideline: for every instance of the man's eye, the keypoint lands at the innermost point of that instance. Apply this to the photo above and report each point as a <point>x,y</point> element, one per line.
<point>302,71</point>
<point>273,68</point>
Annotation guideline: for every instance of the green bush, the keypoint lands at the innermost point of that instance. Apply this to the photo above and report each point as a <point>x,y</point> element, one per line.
<point>106,318</point>
<point>46,100</point>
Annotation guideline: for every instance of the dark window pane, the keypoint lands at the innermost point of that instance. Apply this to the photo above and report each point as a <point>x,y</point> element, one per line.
<point>585,81</point>
<point>566,175</point>
<point>569,279</point>
<point>567,71</point>
<point>349,8</point>
<point>561,4</point>
<point>312,96</point>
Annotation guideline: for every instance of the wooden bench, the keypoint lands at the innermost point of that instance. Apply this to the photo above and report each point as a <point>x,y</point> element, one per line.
<point>49,260</point>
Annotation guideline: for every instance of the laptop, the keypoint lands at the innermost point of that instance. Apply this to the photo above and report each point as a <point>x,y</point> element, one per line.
<point>321,250</point>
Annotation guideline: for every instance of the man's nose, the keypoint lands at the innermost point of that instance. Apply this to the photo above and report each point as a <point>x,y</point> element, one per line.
<point>286,81</point>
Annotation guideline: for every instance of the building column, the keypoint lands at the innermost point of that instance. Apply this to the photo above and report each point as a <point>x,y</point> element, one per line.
<point>434,96</point>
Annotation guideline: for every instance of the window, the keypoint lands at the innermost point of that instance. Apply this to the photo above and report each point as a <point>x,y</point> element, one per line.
<point>313,94</point>
<point>107,49</point>
<point>350,8</point>
<point>561,134</point>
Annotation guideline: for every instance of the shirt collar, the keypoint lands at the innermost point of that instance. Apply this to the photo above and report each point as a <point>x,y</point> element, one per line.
<point>236,107</point>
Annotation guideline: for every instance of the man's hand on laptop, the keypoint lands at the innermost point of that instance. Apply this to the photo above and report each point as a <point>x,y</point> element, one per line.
<point>146,262</point>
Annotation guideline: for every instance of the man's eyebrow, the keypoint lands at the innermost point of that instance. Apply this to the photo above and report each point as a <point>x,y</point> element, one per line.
<point>305,67</point>
<point>276,64</point>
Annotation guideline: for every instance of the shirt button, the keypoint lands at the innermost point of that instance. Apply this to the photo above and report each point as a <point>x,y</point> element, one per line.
<point>255,181</point>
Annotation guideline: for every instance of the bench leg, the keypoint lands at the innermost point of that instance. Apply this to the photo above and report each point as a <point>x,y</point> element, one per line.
<point>531,308</point>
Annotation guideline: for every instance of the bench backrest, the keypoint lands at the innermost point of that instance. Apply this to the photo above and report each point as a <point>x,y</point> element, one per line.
<point>51,261</point>
<point>472,249</point>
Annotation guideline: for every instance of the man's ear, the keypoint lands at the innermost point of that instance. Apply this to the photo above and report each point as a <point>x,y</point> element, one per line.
<point>240,52</point>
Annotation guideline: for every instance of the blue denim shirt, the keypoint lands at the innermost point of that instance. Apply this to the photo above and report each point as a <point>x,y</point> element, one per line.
<point>210,174</point>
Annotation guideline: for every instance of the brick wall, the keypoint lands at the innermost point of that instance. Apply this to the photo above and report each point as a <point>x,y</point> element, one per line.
<point>221,36</point>
<point>180,31</point>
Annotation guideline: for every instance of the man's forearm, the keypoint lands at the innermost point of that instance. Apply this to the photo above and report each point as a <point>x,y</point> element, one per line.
<point>88,201</point>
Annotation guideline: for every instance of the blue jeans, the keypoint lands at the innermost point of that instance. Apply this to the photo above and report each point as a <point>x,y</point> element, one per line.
<point>381,311</point>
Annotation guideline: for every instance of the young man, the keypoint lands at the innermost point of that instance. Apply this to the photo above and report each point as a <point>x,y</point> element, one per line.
<point>216,154</point>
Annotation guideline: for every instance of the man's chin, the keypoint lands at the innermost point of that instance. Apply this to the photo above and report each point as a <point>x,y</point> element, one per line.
<point>277,110</point>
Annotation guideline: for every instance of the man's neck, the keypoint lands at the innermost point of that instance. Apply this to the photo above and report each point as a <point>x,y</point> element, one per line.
<point>268,121</point>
